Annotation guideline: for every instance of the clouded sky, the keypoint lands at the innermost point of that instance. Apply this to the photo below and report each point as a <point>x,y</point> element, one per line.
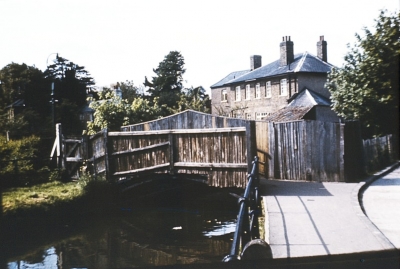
<point>122,40</point>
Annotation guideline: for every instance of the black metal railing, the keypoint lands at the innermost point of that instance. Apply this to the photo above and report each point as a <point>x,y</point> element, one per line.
<point>247,231</point>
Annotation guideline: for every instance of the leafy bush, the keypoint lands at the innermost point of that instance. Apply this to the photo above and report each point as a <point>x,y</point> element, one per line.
<point>21,161</point>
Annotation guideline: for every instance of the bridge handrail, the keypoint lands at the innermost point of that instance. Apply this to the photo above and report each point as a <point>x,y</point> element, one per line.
<point>246,231</point>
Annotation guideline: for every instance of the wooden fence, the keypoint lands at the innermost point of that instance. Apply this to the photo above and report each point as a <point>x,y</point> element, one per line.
<point>378,153</point>
<point>306,150</point>
<point>201,144</point>
<point>219,153</point>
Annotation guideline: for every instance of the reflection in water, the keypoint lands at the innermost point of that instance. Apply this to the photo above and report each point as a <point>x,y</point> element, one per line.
<point>196,228</point>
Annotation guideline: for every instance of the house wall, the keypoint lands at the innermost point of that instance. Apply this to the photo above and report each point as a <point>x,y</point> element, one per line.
<point>248,107</point>
<point>315,82</point>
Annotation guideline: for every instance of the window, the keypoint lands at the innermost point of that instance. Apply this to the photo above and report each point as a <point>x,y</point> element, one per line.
<point>261,115</point>
<point>237,115</point>
<point>237,93</point>
<point>258,93</point>
<point>248,92</point>
<point>224,96</point>
<point>268,91</point>
<point>248,116</point>
<point>283,87</point>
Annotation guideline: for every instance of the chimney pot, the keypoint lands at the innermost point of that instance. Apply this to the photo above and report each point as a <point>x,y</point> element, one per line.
<point>286,49</point>
<point>322,49</point>
<point>255,62</point>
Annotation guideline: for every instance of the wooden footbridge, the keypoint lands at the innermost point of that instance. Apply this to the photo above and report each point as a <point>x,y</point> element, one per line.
<point>185,143</point>
<point>219,149</point>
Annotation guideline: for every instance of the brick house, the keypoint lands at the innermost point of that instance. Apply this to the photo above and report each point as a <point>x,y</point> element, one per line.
<point>260,91</point>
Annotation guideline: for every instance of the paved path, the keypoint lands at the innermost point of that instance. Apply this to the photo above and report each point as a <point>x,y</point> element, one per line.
<point>381,202</point>
<point>309,219</point>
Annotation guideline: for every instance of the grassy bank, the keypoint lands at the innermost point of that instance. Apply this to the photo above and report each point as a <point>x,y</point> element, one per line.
<point>41,196</point>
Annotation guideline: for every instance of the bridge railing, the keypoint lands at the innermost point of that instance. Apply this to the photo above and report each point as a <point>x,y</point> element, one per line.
<point>246,243</point>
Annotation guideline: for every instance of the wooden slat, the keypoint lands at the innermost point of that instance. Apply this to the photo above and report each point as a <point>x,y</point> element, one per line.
<point>211,165</point>
<point>73,159</point>
<point>72,141</point>
<point>179,131</point>
<point>135,150</point>
<point>146,169</point>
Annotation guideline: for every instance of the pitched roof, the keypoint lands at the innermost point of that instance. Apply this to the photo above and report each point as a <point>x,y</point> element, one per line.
<point>300,104</point>
<point>308,98</point>
<point>289,113</point>
<point>229,78</point>
<point>304,62</point>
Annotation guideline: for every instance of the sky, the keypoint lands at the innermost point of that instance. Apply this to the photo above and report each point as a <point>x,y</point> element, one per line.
<point>123,40</point>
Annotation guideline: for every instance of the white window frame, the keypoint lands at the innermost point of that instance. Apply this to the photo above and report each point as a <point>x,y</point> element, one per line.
<point>260,115</point>
<point>283,87</point>
<point>258,91</point>
<point>268,89</point>
<point>224,95</point>
<point>237,93</point>
<point>248,116</point>
<point>248,92</point>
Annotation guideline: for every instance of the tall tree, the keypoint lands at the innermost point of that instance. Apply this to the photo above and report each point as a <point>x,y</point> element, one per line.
<point>27,85</point>
<point>366,88</point>
<point>110,111</point>
<point>130,91</point>
<point>196,99</point>
<point>71,81</point>
<point>167,84</point>
<point>71,85</point>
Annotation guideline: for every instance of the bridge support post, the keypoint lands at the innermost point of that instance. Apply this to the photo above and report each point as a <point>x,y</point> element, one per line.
<point>171,154</point>
<point>250,144</point>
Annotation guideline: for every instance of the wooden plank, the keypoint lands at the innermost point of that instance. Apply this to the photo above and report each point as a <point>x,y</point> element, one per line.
<point>179,131</point>
<point>72,141</point>
<point>146,169</point>
<point>250,143</point>
<point>73,159</point>
<point>171,157</point>
<point>135,150</point>
<point>211,165</point>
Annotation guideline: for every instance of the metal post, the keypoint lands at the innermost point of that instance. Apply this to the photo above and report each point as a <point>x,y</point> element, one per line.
<point>52,104</point>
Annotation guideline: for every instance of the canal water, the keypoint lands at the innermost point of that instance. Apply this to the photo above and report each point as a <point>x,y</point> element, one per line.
<point>165,222</point>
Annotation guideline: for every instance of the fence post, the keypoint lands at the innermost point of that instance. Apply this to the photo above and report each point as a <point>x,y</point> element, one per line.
<point>106,154</point>
<point>250,143</point>
<point>60,159</point>
<point>171,153</point>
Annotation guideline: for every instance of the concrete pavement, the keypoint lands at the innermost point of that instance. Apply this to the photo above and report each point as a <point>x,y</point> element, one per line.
<point>311,219</point>
<point>381,201</point>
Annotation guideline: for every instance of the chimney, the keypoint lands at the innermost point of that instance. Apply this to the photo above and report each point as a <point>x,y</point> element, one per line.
<point>287,55</point>
<point>255,62</point>
<point>321,49</point>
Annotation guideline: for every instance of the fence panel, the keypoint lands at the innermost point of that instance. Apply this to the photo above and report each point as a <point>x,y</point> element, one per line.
<point>308,150</point>
<point>378,153</point>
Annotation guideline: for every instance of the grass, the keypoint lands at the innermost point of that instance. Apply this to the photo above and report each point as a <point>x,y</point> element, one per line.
<point>41,196</point>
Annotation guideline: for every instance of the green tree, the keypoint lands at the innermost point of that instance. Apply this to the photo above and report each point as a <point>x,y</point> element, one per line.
<point>71,86</point>
<point>110,111</point>
<point>129,91</point>
<point>27,84</point>
<point>366,88</point>
<point>167,84</point>
<point>196,99</point>
<point>71,80</point>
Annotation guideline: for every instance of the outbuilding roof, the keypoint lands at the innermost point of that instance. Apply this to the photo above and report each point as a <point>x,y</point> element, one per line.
<point>308,98</point>
<point>304,62</point>
<point>289,113</point>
